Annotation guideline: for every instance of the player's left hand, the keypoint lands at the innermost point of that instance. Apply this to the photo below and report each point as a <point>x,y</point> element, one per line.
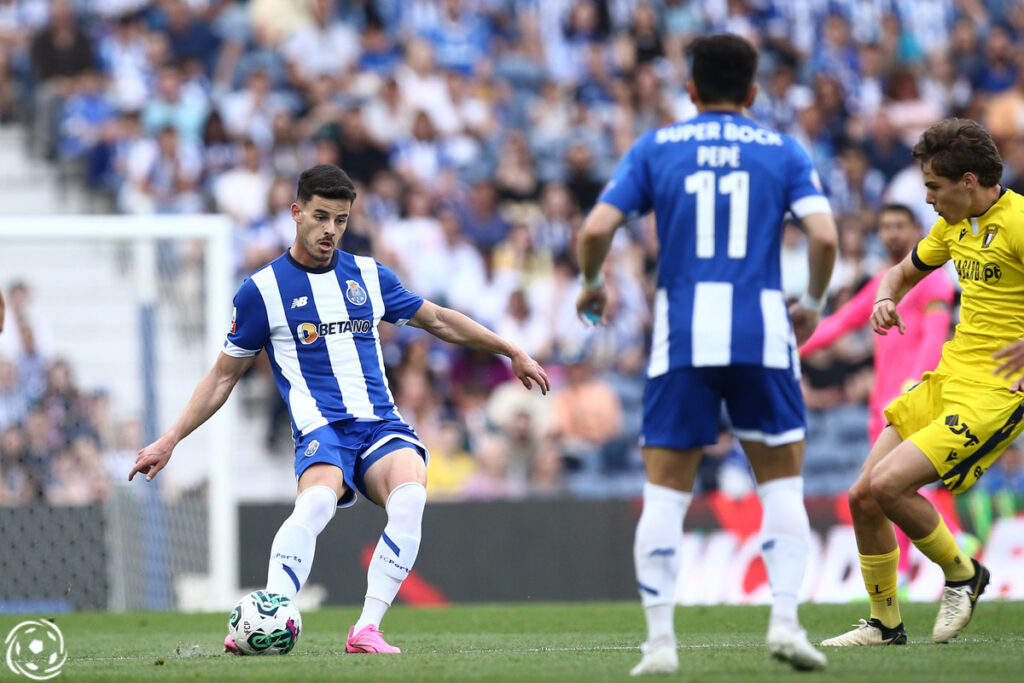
<point>1012,357</point>
<point>590,304</point>
<point>528,369</point>
<point>804,321</point>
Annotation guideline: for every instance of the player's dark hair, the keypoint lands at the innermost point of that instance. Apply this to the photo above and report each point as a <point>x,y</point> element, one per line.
<point>327,181</point>
<point>899,208</point>
<point>958,146</point>
<point>722,66</point>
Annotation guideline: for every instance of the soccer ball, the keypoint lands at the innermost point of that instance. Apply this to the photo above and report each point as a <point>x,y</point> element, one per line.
<point>265,623</point>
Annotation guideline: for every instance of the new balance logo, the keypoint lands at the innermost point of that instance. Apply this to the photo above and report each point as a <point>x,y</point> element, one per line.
<point>963,231</point>
<point>299,302</point>
<point>951,457</point>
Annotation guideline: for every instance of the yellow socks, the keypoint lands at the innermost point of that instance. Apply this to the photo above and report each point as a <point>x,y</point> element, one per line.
<point>940,547</point>
<point>880,572</point>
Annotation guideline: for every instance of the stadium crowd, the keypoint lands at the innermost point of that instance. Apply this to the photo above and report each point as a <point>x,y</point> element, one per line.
<point>479,133</point>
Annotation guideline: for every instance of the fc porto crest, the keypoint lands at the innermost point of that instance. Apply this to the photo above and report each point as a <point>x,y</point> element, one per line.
<point>355,294</point>
<point>990,234</point>
<point>314,445</point>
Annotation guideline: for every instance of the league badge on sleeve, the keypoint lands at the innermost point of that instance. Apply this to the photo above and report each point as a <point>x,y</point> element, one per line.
<point>355,294</point>
<point>234,314</point>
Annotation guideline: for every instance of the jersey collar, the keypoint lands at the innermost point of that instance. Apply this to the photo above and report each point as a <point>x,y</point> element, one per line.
<point>325,269</point>
<point>973,220</point>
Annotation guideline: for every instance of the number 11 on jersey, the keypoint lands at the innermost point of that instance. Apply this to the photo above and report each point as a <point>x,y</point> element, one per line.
<point>737,186</point>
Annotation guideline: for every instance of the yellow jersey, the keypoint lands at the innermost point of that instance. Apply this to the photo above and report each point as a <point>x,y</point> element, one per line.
<point>988,252</point>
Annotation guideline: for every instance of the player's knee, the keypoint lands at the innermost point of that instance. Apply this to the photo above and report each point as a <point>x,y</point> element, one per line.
<point>884,489</point>
<point>406,500</point>
<point>863,505</point>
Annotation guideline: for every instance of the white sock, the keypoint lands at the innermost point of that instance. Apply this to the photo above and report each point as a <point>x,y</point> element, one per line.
<point>291,554</point>
<point>395,552</point>
<point>785,543</point>
<point>656,554</point>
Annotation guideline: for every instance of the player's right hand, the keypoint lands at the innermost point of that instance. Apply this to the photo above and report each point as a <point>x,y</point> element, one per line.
<point>151,460</point>
<point>590,304</point>
<point>804,321</point>
<point>885,316</point>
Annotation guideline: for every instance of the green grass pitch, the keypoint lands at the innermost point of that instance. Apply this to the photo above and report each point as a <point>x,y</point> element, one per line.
<point>532,642</point>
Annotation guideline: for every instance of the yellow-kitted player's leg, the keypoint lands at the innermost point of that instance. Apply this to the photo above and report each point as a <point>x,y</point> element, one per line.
<point>973,428</point>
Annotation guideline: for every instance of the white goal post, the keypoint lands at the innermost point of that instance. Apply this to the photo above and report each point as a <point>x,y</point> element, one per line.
<point>115,297</point>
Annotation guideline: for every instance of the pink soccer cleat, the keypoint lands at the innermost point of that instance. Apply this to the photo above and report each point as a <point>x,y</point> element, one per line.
<point>230,647</point>
<point>369,640</point>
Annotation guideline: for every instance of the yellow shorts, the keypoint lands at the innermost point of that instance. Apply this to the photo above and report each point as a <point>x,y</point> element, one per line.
<point>962,426</point>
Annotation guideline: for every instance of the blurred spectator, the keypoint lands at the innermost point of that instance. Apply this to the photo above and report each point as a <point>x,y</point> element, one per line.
<point>177,104</point>
<point>524,328</point>
<point>323,46</point>
<point>11,90</point>
<point>87,128</point>
<point>885,149</point>
<point>581,178</point>
<point>481,221</point>
<point>190,37</point>
<point>77,476</point>
<point>1005,111</point>
<point>14,397</point>
<point>1007,472</point>
<point>163,176</point>
<point>909,113</point>
<point>60,52</point>
<point>997,70</point>
<point>17,485</point>
<point>119,456</point>
<point>460,36</point>
<point>587,421</point>
<point>27,338</point>
<point>243,191</point>
<point>450,465</point>
<point>479,133</point>
<point>249,112</point>
<point>491,481</point>
<point>124,55</point>
<point>360,155</point>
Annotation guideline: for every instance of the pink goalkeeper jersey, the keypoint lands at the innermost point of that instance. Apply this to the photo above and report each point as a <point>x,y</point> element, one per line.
<point>900,359</point>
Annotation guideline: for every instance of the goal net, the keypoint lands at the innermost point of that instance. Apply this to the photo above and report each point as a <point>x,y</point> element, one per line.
<point>111,321</point>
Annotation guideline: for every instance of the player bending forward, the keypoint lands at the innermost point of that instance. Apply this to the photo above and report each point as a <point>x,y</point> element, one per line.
<point>316,310</point>
<point>719,185</point>
<point>959,419</point>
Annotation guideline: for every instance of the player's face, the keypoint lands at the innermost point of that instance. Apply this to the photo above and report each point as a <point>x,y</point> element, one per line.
<point>897,233</point>
<point>320,223</point>
<point>948,197</point>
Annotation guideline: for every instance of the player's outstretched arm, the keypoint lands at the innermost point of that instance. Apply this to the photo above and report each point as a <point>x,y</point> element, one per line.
<point>894,286</point>
<point>457,328</point>
<point>594,242</point>
<point>822,243</point>
<point>209,395</point>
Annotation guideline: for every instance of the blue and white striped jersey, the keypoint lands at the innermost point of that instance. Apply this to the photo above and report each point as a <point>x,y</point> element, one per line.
<point>319,326</point>
<point>719,185</point>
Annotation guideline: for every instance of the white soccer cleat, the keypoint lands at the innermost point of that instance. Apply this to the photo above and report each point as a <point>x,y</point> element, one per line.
<point>661,658</point>
<point>958,601</point>
<point>870,632</point>
<point>790,644</point>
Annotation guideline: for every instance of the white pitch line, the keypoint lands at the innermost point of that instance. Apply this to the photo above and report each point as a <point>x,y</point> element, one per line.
<point>518,650</point>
